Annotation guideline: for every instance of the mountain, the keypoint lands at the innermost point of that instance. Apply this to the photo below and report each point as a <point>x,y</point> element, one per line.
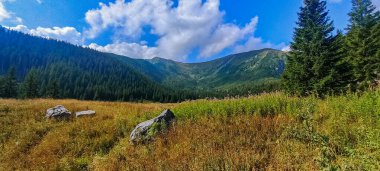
<point>83,73</point>
<point>243,68</point>
<point>220,74</point>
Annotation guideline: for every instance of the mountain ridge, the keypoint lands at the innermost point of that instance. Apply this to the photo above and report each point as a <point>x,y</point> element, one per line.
<point>240,65</point>
<point>107,76</point>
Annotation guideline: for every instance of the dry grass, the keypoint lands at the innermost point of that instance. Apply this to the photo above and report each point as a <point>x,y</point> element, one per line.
<point>236,143</point>
<point>267,132</point>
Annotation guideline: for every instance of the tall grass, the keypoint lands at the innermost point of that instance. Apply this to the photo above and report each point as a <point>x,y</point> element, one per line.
<point>270,131</point>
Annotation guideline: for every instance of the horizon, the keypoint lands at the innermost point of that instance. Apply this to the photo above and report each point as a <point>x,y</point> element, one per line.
<point>204,32</point>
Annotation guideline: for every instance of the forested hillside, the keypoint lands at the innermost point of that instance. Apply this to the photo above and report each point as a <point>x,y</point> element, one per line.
<point>36,67</point>
<point>239,74</point>
<point>56,69</point>
<point>249,67</point>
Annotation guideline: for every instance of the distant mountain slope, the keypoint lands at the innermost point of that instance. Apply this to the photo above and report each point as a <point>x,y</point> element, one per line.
<point>244,68</point>
<point>81,73</point>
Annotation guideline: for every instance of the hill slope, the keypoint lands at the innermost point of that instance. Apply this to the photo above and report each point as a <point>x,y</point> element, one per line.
<point>243,68</point>
<point>81,73</point>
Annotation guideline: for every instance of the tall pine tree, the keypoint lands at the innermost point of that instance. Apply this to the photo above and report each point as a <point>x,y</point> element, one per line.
<point>376,60</point>
<point>10,84</point>
<point>2,80</point>
<point>361,43</point>
<point>314,57</point>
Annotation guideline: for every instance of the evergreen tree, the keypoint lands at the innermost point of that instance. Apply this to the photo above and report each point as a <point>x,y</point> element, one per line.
<point>315,53</point>
<point>52,89</point>
<point>376,60</point>
<point>10,84</point>
<point>2,79</point>
<point>31,85</point>
<point>361,43</point>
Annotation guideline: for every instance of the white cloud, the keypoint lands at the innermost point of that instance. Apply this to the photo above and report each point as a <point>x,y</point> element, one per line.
<point>227,35</point>
<point>68,34</point>
<point>134,50</point>
<point>4,14</point>
<point>192,25</point>
<point>39,1</point>
<point>286,49</point>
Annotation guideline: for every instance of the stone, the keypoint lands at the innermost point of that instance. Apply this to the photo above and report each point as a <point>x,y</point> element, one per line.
<point>58,112</point>
<point>144,131</point>
<point>85,113</point>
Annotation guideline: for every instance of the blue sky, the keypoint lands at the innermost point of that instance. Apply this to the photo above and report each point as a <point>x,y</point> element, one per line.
<point>184,30</point>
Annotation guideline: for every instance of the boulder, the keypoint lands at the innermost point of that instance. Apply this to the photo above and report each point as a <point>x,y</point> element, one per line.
<point>144,131</point>
<point>85,113</point>
<point>58,112</point>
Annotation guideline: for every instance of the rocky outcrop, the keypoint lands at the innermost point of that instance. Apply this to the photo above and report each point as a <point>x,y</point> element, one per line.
<point>146,130</point>
<point>58,112</point>
<point>85,113</point>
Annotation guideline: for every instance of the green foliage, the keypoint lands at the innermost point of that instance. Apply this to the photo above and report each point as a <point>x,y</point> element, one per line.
<point>52,89</point>
<point>2,80</point>
<point>9,84</point>
<point>315,62</point>
<point>376,59</point>
<point>362,43</point>
<point>31,85</point>
<point>263,105</point>
<point>247,68</point>
<point>337,132</point>
<point>68,71</point>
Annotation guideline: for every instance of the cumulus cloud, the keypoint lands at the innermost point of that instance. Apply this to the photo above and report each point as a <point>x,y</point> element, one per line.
<point>67,34</point>
<point>134,50</point>
<point>192,25</point>
<point>4,14</point>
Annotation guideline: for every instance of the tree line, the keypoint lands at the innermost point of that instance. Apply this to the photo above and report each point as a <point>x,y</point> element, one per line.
<point>34,67</point>
<point>322,62</point>
<point>34,86</point>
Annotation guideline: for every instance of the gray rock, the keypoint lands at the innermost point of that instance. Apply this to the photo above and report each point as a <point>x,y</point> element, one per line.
<point>85,113</point>
<point>58,112</point>
<point>145,130</point>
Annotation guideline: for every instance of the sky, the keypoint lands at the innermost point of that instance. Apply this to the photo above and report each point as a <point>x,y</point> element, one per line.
<point>181,30</point>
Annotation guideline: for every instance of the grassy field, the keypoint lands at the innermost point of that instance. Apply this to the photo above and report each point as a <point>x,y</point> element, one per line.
<point>266,132</point>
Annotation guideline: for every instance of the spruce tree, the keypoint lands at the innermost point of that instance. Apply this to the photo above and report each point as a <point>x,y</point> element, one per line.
<point>314,55</point>
<point>10,84</point>
<point>31,85</point>
<point>52,89</point>
<point>361,43</point>
<point>2,80</point>
<point>342,71</point>
<point>376,60</point>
